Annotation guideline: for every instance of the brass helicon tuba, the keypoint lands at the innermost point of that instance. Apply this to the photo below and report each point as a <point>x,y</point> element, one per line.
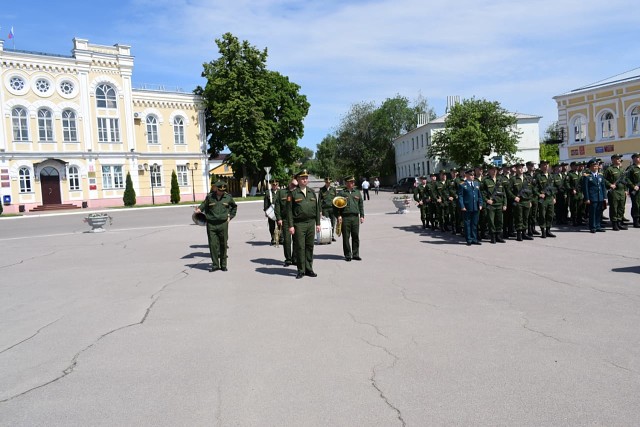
<point>339,202</point>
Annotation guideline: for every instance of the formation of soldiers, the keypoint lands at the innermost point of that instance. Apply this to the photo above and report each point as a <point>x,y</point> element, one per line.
<point>521,201</point>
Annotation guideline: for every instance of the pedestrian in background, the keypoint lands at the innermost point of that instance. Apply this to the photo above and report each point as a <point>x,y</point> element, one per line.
<point>365,189</point>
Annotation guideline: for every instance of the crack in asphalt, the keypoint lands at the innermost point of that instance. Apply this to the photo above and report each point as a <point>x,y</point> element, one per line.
<point>28,338</point>
<point>620,367</point>
<point>22,261</point>
<point>368,324</point>
<point>525,325</point>
<point>403,292</point>
<point>74,361</point>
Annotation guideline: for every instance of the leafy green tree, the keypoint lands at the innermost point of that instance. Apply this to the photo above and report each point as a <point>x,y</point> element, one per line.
<point>129,197</point>
<point>256,113</point>
<point>175,188</point>
<point>327,160</point>
<point>549,149</point>
<point>474,129</point>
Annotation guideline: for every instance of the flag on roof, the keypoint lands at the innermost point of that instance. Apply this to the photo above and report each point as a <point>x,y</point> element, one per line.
<point>11,33</point>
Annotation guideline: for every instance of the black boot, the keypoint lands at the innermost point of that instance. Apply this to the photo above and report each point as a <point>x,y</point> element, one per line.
<point>519,236</point>
<point>544,233</point>
<point>621,226</point>
<point>505,235</point>
<point>499,238</point>
<point>549,233</point>
<point>535,232</point>
<point>636,222</point>
<point>526,236</point>
<point>614,226</point>
<point>493,238</point>
<point>529,232</point>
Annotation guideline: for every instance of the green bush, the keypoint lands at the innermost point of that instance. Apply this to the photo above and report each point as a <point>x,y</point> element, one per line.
<point>129,197</point>
<point>175,188</point>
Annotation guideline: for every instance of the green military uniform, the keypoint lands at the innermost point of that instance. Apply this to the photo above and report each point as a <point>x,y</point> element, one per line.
<point>633,184</point>
<point>482,215</point>
<point>326,196</point>
<point>419,193</point>
<point>458,218</point>
<point>303,215</point>
<point>573,186</point>
<point>533,212</point>
<point>281,215</point>
<point>561,207</point>
<point>269,200</point>
<point>615,181</point>
<point>508,230</point>
<point>351,216</point>
<point>219,210</point>
<point>442,203</point>
<point>493,191</point>
<point>544,193</point>
<point>430,194</point>
<point>520,187</point>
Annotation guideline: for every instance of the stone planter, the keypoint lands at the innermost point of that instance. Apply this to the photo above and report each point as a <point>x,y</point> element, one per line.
<point>96,221</point>
<point>402,204</point>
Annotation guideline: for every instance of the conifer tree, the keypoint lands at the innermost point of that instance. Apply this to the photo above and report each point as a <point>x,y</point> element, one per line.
<point>129,197</point>
<point>175,188</point>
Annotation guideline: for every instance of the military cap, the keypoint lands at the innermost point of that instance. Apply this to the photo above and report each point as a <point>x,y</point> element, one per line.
<point>616,156</point>
<point>564,164</point>
<point>453,170</point>
<point>469,172</point>
<point>599,160</point>
<point>433,174</point>
<point>423,177</point>
<point>517,165</point>
<point>555,165</point>
<point>542,162</point>
<point>574,163</point>
<point>349,178</point>
<point>635,155</point>
<point>492,166</point>
<point>443,171</point>
<point>302,173</point>
<point>220,184</point>
<point>327,179</point>
<point>592,161</point>
<point>530,163</point>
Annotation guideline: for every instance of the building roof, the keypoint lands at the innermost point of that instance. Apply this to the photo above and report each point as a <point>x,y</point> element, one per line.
<point>618,78</point>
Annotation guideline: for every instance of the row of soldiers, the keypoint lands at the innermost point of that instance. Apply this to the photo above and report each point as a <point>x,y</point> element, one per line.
<point>519,198</point>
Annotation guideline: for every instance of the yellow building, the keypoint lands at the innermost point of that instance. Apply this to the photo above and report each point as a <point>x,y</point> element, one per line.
<point>73,126</point>
<point>601,119</point>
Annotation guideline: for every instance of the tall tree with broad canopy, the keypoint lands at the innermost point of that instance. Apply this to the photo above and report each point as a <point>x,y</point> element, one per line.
<point>256,113</point>
<point>474,129</point>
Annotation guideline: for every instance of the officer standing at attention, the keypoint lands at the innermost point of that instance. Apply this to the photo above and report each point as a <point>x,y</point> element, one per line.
<point>614,179</point>
<point>326,194</point>
<point>270,199</point>
<point>595,192</point>
<point>633,183</point>
<point>520,192</point>
<point>303,222</point>
<point>219,208</point>
<point>351,216</point>
<point>470,201</point>
<point>281,216</point>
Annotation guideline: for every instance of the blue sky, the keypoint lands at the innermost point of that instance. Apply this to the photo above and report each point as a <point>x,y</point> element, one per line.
<point>520,54</point>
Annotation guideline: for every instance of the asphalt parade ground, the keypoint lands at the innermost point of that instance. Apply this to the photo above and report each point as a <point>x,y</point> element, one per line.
<point>128,328</point>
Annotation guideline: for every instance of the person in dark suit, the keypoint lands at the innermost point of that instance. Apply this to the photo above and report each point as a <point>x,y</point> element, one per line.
<point>470,201</point>
<point>595,193</point>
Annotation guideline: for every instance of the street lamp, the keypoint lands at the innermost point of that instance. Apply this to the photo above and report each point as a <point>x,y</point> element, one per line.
<point>193,188</point>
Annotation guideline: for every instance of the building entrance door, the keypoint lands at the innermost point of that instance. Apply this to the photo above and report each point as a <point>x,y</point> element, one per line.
<point>50,186</point>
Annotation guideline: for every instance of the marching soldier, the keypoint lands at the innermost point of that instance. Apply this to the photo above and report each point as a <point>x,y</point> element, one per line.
<point>633,183</point>
<point>269,200</point>
<point>351,216</point>
<point>326,195</point>
<point>219,208</point>
<point>419,195</point>
<point>281,220</point>
<point>545,192</point>
<point>520,191</point>
<point>615,181</point>
<point>495,200</point>
<point>303,222</point>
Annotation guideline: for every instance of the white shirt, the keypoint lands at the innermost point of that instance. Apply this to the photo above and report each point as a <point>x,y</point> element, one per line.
<point>365,185</point>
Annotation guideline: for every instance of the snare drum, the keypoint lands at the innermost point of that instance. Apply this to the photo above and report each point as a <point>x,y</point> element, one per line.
<point>324,236</point>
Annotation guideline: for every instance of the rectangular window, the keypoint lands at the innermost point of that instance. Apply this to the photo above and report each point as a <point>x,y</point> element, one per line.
<point>45,129</point>
<point>156,176</point>
<point>20,129</point>
<point>108,130</point>
<point>69,131</point>
<point>183,177</point>
<point>635,125</point>
<point>112,177</point>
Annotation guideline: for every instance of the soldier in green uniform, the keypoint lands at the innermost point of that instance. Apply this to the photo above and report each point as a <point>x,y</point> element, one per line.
<point>573,183</point>
<point>430,194</point>
<point>351,216</point>
<point>219,208</point>
<point>482,220</point>
<point>326,195</point>
<point>456,218</point>
<point>508,229</point>
<point>615,181</point>
<point>269,200</point>
<point>530,173</point>
<point>561,208</point>
<point>633,183</point>
<point>545,192</point>
<point>419,196</point>
<point>520,191</point>
<point>443,200</point>
<point>303,222</point>
<point>281,220</point>
<point>495,200</point>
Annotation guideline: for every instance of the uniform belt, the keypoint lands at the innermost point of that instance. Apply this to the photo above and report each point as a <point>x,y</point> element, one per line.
<point>296,221</point>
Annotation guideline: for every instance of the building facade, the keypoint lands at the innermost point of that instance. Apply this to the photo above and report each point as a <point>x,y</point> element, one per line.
<point>601,119</point>
<point>411,148</point>
<point>74,126</point>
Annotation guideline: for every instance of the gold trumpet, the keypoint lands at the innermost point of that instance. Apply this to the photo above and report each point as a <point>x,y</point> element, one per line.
<point>339,202</point>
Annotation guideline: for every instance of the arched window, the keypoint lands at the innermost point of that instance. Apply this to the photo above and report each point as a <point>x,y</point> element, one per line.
<point>19,121</point>
<point>69,126</point>
<point>635,121</point>
<point>106,96</point>
<point>607,125</point>
<point>579,130</point>
<point>45,125</point>
<point>178,130</point>
<point>74,178</point>
<point>152,130</point>
<point>25,180</point>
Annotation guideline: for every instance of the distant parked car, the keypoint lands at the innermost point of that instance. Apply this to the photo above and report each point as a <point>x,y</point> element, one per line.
<point>405,185</point>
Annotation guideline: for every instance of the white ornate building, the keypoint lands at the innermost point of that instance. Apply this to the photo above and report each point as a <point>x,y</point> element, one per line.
<point>73,126</point>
